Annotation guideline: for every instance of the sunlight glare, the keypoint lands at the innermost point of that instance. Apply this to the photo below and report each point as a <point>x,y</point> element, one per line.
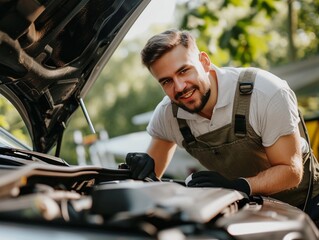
<point>157,12</point>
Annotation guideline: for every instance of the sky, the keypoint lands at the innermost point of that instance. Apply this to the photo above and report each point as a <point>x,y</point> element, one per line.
<point>157,12</point>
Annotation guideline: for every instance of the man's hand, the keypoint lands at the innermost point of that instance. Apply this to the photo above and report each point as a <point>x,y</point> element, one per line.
<point>214,179</point>
<point>141,165</point>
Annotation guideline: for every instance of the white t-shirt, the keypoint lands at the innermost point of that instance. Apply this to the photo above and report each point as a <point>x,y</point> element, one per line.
<point>273,109</point>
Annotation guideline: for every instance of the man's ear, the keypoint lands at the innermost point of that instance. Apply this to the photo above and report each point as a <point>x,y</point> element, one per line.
<point>204,59</point>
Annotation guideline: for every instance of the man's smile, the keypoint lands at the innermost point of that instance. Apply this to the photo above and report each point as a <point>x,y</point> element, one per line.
<point>188,94</point>
<point>185,94</point>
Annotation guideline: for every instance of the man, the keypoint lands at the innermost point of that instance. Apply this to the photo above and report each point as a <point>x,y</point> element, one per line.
<point>241,124</point>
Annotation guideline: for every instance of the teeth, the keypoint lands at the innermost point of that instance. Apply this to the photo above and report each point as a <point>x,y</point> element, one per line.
<point>187,95</point>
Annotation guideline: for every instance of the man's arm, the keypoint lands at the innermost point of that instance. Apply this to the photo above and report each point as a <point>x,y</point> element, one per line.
<point>286,172</point>
<point>162,152</point>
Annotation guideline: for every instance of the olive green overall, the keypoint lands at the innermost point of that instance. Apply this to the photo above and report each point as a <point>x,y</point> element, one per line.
<point>235,150</point>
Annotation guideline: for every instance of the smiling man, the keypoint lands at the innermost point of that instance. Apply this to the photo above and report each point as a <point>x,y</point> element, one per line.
<point>242,124</point>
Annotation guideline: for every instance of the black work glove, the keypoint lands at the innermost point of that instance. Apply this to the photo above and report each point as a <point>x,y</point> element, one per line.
<point>214,179</point>
<point>141,165</point>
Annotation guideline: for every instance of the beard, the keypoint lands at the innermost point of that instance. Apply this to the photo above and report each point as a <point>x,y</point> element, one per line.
<point>196,109</point>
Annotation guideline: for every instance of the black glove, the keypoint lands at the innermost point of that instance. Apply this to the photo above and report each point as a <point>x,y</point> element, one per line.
<point>214,179</point>
<point>141,165</point>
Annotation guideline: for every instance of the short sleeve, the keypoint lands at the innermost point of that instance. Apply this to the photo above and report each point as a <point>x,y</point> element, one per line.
<point>163,125</point>
<point>281,116</point>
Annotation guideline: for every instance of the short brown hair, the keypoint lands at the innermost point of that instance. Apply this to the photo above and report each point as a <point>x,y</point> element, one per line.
<point>162,43</point>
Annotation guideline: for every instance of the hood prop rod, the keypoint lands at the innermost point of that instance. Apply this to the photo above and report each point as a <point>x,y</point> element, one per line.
<point>86,115</point>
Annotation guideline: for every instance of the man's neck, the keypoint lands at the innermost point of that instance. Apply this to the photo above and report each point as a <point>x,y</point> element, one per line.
<point>207,111</point>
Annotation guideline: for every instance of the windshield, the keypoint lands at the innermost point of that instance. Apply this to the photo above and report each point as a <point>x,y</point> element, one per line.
<point>13,132</point>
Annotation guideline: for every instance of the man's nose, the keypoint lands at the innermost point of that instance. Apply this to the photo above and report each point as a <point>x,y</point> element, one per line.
<point>179,84</point>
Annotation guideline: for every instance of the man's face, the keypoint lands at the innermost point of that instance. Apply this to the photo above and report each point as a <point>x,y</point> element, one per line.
<point>183,75</point>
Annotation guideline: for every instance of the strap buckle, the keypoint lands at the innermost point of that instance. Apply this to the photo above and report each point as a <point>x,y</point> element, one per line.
<point>240,125</point>
<point>246,88</point>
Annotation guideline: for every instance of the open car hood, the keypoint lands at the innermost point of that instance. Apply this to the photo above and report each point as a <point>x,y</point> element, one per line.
<point>52,51</point>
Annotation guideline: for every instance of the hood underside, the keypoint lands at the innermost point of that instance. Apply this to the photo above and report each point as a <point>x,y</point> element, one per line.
<point>51,52</point>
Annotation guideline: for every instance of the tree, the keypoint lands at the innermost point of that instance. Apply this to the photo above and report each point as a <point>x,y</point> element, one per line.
<point>253,32</point>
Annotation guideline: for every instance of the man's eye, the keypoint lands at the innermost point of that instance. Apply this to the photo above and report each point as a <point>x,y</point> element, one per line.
<point>183,71</point>
<point>165,82</point>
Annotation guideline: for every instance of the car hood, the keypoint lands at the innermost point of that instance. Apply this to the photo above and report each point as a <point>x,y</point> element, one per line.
<point>52,51</point>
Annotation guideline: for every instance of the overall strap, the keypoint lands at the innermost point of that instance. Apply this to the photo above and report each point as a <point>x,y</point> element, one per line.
<point>183,127</point>
<point>244,90</point>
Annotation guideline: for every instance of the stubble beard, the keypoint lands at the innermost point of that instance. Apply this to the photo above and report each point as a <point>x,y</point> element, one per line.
<point>196,109</point>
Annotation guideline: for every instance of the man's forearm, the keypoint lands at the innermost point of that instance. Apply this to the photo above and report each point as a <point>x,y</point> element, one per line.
<point>275,179</point>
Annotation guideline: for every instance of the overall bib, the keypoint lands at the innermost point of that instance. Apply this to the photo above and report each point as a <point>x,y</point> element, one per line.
<point>235,150</point>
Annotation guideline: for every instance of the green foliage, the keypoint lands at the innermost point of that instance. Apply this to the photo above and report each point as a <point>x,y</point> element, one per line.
<point>242,33</point>
<point>233,29</point>
<point>11,121</point>
<point>264,5</point>
<point>308,28</point>
<point>125,89</point>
